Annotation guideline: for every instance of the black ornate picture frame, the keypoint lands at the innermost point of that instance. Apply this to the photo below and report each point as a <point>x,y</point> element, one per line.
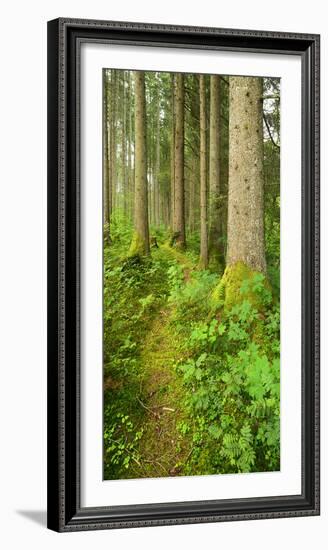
<point>65,37</point>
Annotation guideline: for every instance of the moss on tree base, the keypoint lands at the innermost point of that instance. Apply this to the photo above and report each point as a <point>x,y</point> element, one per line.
<point>176,240</point>
<point>228,291</point>
<point>138,246</point>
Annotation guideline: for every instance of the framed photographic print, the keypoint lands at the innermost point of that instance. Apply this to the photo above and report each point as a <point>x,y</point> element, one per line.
<point>183,274</point>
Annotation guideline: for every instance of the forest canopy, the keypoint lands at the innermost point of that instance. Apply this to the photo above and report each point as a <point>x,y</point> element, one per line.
<point>191,273</point>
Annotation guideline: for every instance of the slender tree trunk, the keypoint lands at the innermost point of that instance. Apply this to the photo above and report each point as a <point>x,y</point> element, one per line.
<point>245,201</point>
<point>192,193</point>
<point>158,157</point>
<point>167,207</point>
<point>151,161</point>
<point>152,173</point>
<point>113,90</point>
<point>140,242</point>
<point>215,232</point>
<point>172,149</point>
<point>106,151</point>
<point>179,206</point>
<point>203,260</point>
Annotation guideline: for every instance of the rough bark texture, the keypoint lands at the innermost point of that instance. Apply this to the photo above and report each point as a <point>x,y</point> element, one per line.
<point>106,149</point>
<point>158,159</point>
<point>112,160</point>
<point>140,241</point>
<point>129,122</point>
<point>215,210</point>
<point>245,199</point>
<point>192,193</point>
<point>179,215</point>
<point>203,176</point>
<point>172,149</point>
<point>124,147</point>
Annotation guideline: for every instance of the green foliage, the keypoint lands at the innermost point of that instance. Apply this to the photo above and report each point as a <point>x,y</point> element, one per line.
<point>227,361</point>
<point>190,291</point>
<point>232,388</point>
<point>121,442</point>
<point>202,344</point>
<point>120,229</point>
<point>134,289</point>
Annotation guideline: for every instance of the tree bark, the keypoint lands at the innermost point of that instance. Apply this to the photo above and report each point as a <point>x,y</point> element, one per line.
<point>106,177</point>
<point>179,206</point>
<point>215,210</point>
<point>172,149</point>
<point>245,198</point>
<point>192,193</point>
<point>112,183</point>
<point>140,241</point>
<point>129,131</point>
<point>203,176</point>
<point>158,157</point>
<point>124,147</point>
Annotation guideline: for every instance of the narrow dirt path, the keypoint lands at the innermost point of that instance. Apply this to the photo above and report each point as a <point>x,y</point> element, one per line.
<point>163,450</point>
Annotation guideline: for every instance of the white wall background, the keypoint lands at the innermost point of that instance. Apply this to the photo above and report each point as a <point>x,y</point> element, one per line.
<point>23,272</point>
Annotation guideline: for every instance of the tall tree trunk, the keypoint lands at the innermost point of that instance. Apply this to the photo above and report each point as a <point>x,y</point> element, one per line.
<point>172,149</point>
<point>124,148</point>
<point>129,132</point>
<point>245,201</point>
<point>194,170</point>
<point>179,216</point>
<point>158,157</point>
<point>150,159</point>
<point>106,143</point>
<point>152,176</point>
<point>203,260</point>
<point>140,242</point>
<point>215,210</point>
<point>113,111</point>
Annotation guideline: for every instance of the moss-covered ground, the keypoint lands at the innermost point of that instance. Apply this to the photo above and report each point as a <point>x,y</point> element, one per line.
<point>189,388</point>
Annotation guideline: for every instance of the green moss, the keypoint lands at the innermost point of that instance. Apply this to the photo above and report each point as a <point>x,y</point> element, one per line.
<point>178,255</point>
<point>175,240</point>
<point>227,293</point>
<point>138,246</point>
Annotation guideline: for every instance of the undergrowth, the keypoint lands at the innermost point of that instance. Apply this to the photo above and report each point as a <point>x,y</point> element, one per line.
<point>227,363</point>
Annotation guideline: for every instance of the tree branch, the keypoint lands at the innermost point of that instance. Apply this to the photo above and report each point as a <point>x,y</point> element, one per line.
<point>272,96</point>
<point>269,132</point>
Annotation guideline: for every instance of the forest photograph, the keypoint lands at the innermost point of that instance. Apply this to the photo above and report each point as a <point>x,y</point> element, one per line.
<point>191,274</point>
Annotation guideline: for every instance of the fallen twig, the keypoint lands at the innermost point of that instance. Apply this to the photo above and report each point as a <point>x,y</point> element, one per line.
<point>147,408</point>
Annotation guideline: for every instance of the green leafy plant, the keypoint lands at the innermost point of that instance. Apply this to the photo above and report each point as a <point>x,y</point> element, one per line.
<point>232,388</point>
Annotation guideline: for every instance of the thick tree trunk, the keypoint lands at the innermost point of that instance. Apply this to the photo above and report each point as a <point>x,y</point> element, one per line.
<point>179,207</point>
<point>215,210</point>
<point>124,148</point>
<point>129,130</point>
<point>245,200</point>
<point>203,260</point>
<point>140,242</point>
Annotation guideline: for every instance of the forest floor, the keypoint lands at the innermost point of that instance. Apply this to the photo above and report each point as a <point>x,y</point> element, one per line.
<point>184,386</point>
<point>162,447</point>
